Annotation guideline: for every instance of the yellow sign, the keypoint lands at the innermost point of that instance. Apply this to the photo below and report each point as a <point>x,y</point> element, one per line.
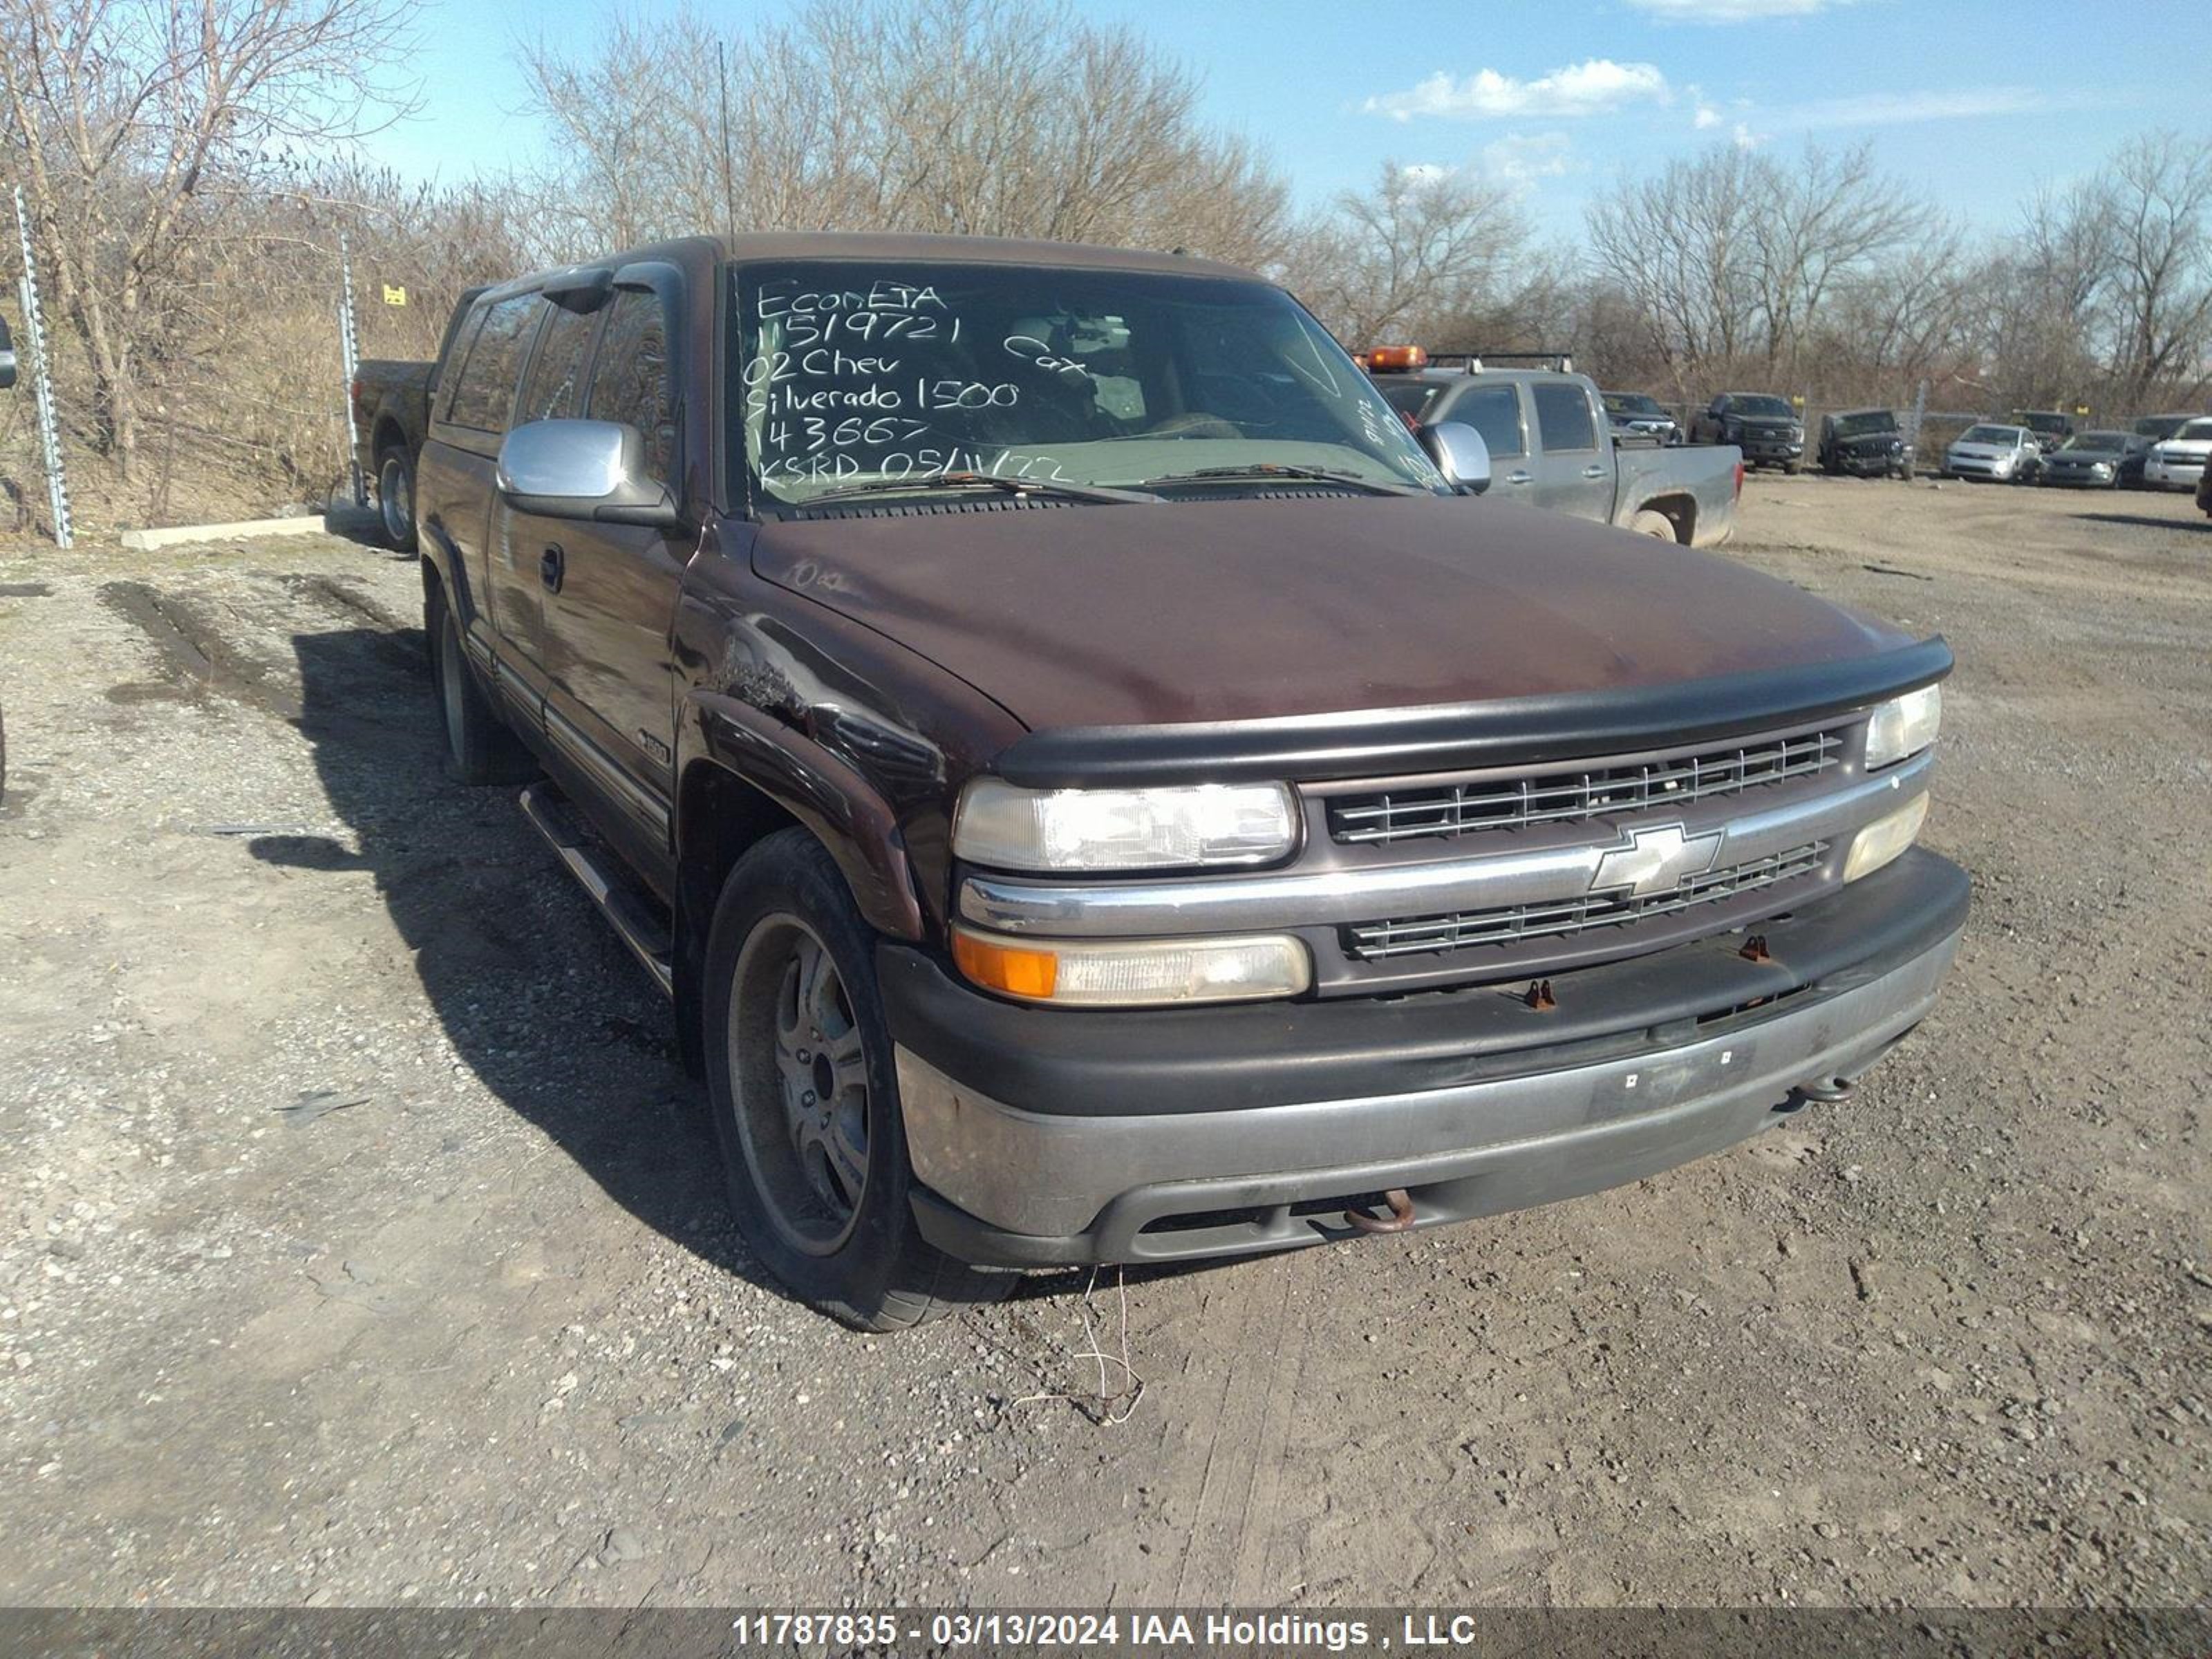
<point>2080,408</point>
<point>394,296</point>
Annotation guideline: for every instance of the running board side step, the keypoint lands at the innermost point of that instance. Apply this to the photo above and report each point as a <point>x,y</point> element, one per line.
<point>647,938</point>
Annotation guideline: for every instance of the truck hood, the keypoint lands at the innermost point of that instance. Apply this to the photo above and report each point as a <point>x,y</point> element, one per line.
<point>1143,614</point>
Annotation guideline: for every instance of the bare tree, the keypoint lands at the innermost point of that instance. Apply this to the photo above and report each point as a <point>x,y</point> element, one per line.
<point>1823,221</point>
<point>2157,209</point>
<point>133,123</point>
<point>964,117</point>
<point>1422,250</point>
<point>1683,249</point>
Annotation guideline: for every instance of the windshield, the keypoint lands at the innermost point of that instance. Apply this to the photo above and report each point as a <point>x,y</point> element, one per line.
<point>1858,426</point>
<point>2106,442</point>
<point>1631,402</point>
<point>1764,407</point>
<point>2005,436</point>
<point>2195,431</point>
<point>854,374</point>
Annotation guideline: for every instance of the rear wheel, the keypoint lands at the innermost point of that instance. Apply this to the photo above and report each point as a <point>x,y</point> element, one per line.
<point>805,1097</point>
<point>395,501</point>
<point>479,748</point>
<point>1650,522</point>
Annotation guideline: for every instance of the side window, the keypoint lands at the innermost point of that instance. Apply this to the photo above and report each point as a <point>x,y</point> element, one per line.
<point>555,386</point>
<point>1495,413</point>
<point>629,376</point>
<point>1562,416</point>
<point>485,390</point>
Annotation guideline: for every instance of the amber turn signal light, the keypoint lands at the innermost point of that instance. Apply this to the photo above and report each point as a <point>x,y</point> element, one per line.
<point>1007,968</point>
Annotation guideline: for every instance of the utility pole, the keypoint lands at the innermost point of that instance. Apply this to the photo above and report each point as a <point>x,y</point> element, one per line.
<point>50,434</point>
<point>729,187</point>
<point>350,349</point>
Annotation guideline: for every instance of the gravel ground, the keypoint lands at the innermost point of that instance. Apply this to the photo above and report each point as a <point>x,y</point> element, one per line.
<point>360,1244</point>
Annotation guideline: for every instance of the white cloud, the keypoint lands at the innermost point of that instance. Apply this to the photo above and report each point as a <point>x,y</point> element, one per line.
<point>1590,87</point>
<point>1730,11</point>
<point>1520,159</point>
<point>1881,109</point>
<point>1707,116</point>
<point>1424,172</point>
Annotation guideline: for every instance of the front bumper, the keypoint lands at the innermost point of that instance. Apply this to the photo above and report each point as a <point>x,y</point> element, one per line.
<point>1046,1137</point>
<point>1870,466</point>
<point>2172,475</point>
<point>1768,449</point>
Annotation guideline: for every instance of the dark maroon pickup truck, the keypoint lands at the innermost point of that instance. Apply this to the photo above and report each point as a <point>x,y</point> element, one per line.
<point>1096,788</point>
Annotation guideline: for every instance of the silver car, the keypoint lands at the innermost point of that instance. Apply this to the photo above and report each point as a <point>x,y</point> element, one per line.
<point>2177,462</point>
<point>2005,454</point>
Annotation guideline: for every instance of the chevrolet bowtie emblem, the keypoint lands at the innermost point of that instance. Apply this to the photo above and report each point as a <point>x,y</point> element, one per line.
<point>1656,861</point>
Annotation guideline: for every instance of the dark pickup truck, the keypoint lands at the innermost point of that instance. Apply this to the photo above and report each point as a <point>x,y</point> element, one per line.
<point>391,416</point>
<point>1095,788</point>
<point>1766,428</point>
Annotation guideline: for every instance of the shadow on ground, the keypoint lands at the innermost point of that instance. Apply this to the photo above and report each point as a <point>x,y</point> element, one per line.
<point>2144,521</point>
<point>532,989</point>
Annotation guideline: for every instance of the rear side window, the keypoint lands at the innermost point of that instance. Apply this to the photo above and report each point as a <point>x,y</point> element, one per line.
<point>629,376</point>
<point>1562,416</point>
<point>1495,413</point>
<point>555,388</point>
<point>484,391</point>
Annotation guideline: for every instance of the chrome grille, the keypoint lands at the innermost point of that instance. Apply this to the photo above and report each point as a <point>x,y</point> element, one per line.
<point>1564,797</point>
<point>1568,917</point>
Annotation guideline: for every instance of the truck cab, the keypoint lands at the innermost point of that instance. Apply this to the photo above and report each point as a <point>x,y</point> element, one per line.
<point>1552,442</point>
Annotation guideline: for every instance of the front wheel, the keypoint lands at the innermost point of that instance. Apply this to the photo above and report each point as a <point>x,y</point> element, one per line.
<point>805,1097</point>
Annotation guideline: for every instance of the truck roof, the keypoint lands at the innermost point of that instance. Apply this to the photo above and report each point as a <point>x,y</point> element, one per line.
<point>882,247</point>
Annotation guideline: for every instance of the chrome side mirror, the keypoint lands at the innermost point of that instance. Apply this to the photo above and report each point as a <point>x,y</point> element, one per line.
<point>583,470</point>
<point>1460,454</point>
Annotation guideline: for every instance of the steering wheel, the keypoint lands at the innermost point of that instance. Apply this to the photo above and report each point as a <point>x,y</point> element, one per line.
<point>1192,423</point>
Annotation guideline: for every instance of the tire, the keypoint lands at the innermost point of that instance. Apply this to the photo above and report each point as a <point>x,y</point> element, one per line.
<point>805,1097</point>
<point>1905,473</point>
<point>479,747</point>
<point>1791,468</point>
<point>1648,522</point>
<point>395,500</point>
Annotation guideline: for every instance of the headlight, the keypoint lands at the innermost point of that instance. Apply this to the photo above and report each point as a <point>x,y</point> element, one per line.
<point>1135,972</point>
<point>1903,726</point>
<point>1010,828</point>
<point>1882,840</point>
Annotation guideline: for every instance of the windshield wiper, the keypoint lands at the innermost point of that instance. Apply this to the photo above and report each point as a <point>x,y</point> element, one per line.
<point>1265,471</point>
<point>977,481</point>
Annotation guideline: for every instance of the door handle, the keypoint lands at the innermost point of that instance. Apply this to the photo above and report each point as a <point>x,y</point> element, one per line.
<point>552,566</point>
<point>1516,477</point>
<point>1592,472</point>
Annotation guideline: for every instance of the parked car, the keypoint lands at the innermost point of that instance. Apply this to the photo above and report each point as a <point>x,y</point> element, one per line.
<point>2177,461</point>
<point>2204,489</point>
<point>2005,454</point>
<point>1038,713</point>
<point>2155,426</point>
<point>2096,460</point>
<point>1767,429</point>
<point>1550,443</point>
<point>1637,415</point>
<point>391,413</point>
<point>1867,443</point>
<point>2052,427</point>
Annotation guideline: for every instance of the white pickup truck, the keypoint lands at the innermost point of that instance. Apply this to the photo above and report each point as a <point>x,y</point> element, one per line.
<point>1552,446</point>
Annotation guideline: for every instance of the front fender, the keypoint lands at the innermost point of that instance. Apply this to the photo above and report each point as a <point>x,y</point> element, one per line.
<point>819,789</point>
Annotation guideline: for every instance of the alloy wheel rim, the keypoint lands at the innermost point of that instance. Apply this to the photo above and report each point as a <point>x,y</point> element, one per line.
<point>799,1085</point>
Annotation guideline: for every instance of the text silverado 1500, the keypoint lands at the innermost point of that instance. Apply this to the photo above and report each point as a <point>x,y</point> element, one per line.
<point>1098,789</point>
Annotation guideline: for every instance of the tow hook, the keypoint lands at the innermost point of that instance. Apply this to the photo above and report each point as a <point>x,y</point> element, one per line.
<point>1401,1217</point>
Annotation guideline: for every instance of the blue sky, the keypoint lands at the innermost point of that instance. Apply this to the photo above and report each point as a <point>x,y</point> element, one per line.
<point>1973,106</point>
